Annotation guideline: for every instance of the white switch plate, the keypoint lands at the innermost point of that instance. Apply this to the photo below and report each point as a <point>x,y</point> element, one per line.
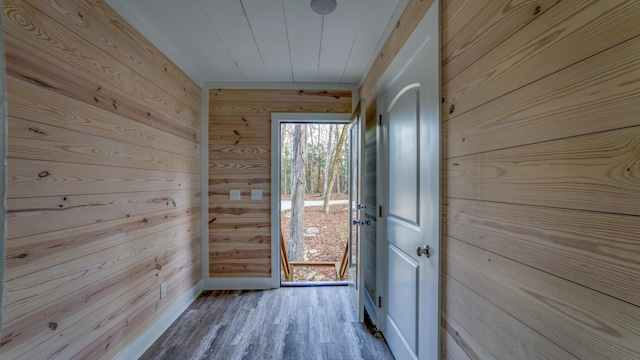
<point>163,290</point>
<point>256,194</point>
<point>234,195</point>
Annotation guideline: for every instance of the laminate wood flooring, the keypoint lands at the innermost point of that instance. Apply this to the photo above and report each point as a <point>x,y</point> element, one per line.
<point>286,323</point>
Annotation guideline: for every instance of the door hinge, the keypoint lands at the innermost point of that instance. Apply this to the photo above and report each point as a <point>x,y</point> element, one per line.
<point>380,211</point>
<point>379,301</point>
<point>380,119</point>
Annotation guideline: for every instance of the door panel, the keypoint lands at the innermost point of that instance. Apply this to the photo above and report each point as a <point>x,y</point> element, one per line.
<point>405,272</point>
<point>403,171</point>
<point>410,108</point>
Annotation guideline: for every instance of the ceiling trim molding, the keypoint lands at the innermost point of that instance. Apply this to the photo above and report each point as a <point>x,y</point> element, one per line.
<point>125,12</point>
<point>402,4</point>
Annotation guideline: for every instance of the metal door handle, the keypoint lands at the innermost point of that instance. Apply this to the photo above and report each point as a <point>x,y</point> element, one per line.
<point>423,251</point>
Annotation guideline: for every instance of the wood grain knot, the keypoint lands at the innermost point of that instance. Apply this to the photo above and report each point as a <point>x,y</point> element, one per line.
<point>53,325</point>
<point>451,109</point>
<point>37,131</point>
<point>38,82</point>
<point>44,174</point>
<point>22,256</point>
<point>158,266</point>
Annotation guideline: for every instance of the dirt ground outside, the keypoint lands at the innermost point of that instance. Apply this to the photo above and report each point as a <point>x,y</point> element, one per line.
<point>326,236</point>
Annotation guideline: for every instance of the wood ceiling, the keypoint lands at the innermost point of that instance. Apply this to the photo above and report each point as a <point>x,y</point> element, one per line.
<point>265,40</point>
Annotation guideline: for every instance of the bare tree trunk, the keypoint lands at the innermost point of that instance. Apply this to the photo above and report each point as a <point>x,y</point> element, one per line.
<point>335,161</point>
<point>327,163</point>
<point>298,182</point>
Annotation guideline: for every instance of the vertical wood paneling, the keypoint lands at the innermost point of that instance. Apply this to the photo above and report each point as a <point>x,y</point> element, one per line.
<point>103,197</point>
<point>240,159</point>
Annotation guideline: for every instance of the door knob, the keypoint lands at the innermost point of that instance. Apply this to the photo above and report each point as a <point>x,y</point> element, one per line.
<point>423,251</point>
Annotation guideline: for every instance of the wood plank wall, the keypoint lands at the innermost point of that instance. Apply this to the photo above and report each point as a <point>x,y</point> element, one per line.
<point>103,170</point>
<point>541,177</point>
<point>240,159</point>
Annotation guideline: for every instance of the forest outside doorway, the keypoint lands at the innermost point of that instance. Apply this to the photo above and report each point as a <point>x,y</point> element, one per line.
<point>314,201</point>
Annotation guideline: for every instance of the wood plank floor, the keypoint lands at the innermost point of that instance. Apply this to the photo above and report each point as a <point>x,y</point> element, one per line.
<point>287,323</point>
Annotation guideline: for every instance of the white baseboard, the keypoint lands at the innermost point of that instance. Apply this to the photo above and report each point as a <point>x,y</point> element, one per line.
<point>153,332</point>
<point>238,283</point>
<point>371,307</point>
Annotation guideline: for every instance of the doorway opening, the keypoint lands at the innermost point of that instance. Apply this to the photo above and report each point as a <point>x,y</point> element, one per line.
<point>314,201</point>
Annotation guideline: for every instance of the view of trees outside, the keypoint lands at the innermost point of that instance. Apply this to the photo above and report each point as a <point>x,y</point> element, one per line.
<point>314,165</point>
<point>321,140</point>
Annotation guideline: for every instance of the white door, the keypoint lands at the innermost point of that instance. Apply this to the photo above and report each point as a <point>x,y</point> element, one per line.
<point>410,110</point>
<point>356,201</point>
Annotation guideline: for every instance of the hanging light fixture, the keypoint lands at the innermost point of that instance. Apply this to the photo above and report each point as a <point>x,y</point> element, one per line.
<point>323,7</point>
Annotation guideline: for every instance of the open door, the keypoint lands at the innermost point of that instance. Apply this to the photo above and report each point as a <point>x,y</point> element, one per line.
<point>356,201</point>
<point>410,109</point>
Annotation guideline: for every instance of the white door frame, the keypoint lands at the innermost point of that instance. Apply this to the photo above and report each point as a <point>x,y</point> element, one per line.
<point>276,120</point>
<point>409,50</point>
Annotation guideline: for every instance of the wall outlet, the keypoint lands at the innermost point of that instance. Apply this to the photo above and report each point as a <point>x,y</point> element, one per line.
<point>163,290</point>
<point>234,195</point>
<point>256,194</point>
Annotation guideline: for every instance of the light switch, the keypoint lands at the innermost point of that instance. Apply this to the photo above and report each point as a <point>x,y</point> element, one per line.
<point>234,195</point>
<point>256,194</point>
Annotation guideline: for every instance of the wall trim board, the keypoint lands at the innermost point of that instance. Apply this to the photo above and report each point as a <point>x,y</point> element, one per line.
<point>123,10</point>
<point>371,308</point>
<point>3,169</point>
<point>355,93</point>
<point>240,283</point>
<point>208,85</point>
<point>204,183</point>
<point>153,332</point>
<point>276,120</point>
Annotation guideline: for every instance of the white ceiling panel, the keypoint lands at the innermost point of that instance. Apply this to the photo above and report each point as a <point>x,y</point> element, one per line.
<point>303,30</point>
<point>191,39</point>
<point>230,22</point>
<point>268,24</point>
<point>338,35</point>
<point>264,40</point>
